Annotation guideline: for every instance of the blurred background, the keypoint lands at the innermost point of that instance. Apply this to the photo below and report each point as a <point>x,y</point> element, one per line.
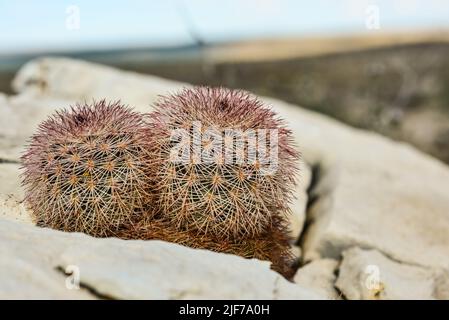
<point>381,65</point>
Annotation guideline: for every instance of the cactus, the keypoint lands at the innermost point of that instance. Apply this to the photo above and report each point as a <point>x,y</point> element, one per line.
<point>227,198</point>
<point>85,169</point>
<point>236,206</point>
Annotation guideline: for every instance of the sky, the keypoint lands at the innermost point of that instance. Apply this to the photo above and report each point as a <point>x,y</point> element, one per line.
<point>42,26</point>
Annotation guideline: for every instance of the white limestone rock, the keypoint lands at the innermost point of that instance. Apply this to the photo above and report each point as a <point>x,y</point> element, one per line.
<point>34,260</point>
<point>368,274</point>
<point>319,276</point>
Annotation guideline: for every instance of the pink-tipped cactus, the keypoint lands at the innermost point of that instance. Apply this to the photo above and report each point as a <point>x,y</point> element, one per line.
<point>85,169</point>
<point>233,193</point>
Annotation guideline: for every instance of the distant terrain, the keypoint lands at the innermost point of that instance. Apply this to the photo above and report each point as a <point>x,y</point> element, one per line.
<point>397,85</point>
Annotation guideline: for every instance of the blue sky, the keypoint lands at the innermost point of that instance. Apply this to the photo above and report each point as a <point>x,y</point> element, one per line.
<point>43,25</point>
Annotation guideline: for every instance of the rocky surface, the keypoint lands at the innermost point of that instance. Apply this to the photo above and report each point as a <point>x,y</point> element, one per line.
<point>79,81</point>
<point>10,179</point>
<point>34,261</point>
<point>378,194</point>
<point>12,208</point>
<point>366,190</point>
<point>371,192</point>
<point>368,274</point>
<point>19,117</point>
<point>11,194</point>
<point>299,204</point>
<point>319,276</point>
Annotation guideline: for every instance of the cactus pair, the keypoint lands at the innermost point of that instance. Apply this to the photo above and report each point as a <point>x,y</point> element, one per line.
<point>191,172</point>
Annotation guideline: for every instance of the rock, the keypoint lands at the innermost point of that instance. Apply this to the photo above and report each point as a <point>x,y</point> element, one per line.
<point>11,194</point>
<point>296,253</point>
<point>10,179</point>
<point>12,208</point>
<point>319,276</point>
<point>368,191</point>
<point>82,81</point>
<point>371,192</point>
<point>376,193</point>
<point>19,117</point>
<point>297,218</point>
<point>368,274</point>
<point>441,285</point>
<point>20,279</point>
<point>34,260</point>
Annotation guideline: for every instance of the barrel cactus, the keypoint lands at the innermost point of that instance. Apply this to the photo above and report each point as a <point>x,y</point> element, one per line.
<point>223,163</point>
<point>85,169</point>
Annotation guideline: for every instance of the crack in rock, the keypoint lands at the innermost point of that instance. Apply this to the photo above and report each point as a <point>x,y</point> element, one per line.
<point>275,292</point>
<point>318,206</point>
<point>87,287</point>
<point>8,161</point>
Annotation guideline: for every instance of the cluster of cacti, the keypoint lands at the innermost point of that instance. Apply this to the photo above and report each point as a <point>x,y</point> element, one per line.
<point>86,169</point>
<point>104,170</point>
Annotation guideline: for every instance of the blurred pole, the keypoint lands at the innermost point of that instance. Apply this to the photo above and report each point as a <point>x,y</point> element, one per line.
<point>208,67</point>
<point>189,24</point>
